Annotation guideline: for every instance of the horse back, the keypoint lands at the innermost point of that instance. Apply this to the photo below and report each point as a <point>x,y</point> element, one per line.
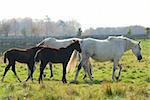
<point>52,55</point>
<point>103,49</point>
<point>19,55</point>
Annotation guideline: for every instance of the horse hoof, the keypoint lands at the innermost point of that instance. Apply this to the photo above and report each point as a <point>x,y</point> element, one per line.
<point>51,76</point>
<point>84,77</point>
<point>117,78</point>
<point>64,81</point>
<point>2,80</point>
<point>39,81</point>
<point>44,75</point>
<point>32,81</point>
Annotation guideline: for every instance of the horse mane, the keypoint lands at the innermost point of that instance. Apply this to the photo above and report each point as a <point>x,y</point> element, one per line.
<point>73,42</point>
<point>45,40</point>
<point>123,38</point>
<point>115,37</point>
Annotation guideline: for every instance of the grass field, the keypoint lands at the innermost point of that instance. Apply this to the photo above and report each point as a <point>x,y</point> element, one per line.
<point>134,83</point>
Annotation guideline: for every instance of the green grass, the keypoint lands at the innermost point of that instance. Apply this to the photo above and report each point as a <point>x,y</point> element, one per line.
<point>134,83</point>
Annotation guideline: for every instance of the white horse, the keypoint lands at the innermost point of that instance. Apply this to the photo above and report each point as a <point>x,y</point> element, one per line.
<point>56,43</point>
<point>110,49</point>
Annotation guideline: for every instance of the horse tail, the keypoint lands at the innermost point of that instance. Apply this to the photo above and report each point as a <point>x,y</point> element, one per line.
<point>41,43</point>
<point>37,56</point>
<point>5,56</point>
<point>72,62</point>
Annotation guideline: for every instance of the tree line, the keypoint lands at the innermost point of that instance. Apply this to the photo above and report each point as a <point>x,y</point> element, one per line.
<point>46,27</point>
<point>28,26</point>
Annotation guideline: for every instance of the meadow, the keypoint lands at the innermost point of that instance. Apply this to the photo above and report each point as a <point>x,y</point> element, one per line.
<point>134,83</point>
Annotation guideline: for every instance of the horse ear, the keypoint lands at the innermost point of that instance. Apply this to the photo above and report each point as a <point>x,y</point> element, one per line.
<point>139,42</point>
<point>73,41</point>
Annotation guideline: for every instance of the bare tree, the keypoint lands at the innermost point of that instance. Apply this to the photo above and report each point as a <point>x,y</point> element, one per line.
<point>27,26</point>
<point>5,27</point>
<point>79,32</point>
<point>129,33</point>
<point>148,31</point>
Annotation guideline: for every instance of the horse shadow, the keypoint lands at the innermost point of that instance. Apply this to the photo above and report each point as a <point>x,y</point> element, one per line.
<point>96,81</point>
<point>88,82</point>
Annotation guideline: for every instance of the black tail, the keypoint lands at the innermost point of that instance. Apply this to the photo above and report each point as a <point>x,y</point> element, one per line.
<point>5,56</point>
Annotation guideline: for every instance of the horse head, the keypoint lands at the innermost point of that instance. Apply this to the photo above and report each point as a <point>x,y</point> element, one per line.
<point>77,45</point>
<point>136,49</point>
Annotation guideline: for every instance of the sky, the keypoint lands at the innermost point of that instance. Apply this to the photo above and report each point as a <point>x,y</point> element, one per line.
<point>89,13</point>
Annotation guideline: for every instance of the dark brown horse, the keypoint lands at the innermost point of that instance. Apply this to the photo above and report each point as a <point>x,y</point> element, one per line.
<point>20,55</point>
<point>62,55</point>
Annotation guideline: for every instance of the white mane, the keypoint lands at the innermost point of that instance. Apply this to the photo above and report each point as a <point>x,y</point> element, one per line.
<point>116,37</point>
<point>122,38</point>
<point>50,38</point>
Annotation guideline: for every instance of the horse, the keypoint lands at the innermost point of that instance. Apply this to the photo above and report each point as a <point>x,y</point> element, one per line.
<point>59,43</point>
<point>20,55</point>
<point>54,55</point>
<point>110,49</point>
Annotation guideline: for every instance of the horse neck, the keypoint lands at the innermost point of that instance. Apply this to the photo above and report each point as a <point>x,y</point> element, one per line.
<point>70,49</point>
<point>129,45</point>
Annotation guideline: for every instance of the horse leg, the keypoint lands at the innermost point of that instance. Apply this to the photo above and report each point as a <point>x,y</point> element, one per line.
<point>13,69</point>
<point>6,69</point>
<point>113,73</point>
<point>51,70</point>
<point>90,67</point>
<point>31,69</point>
<point>64,73</point>
<point>114,69</point>
<point>42,67</point>
<point>79,56</point>
<point>29,73</point>
<point>84,72</point>
<point>77,71</point>
<point>82,63</point>
<point>120,69</point>
<point>88,70</point>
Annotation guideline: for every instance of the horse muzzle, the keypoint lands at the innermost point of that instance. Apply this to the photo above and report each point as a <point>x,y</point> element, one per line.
<point>139,57</point>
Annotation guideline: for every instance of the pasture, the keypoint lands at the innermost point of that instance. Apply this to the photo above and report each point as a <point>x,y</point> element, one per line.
<point>134,83</point>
